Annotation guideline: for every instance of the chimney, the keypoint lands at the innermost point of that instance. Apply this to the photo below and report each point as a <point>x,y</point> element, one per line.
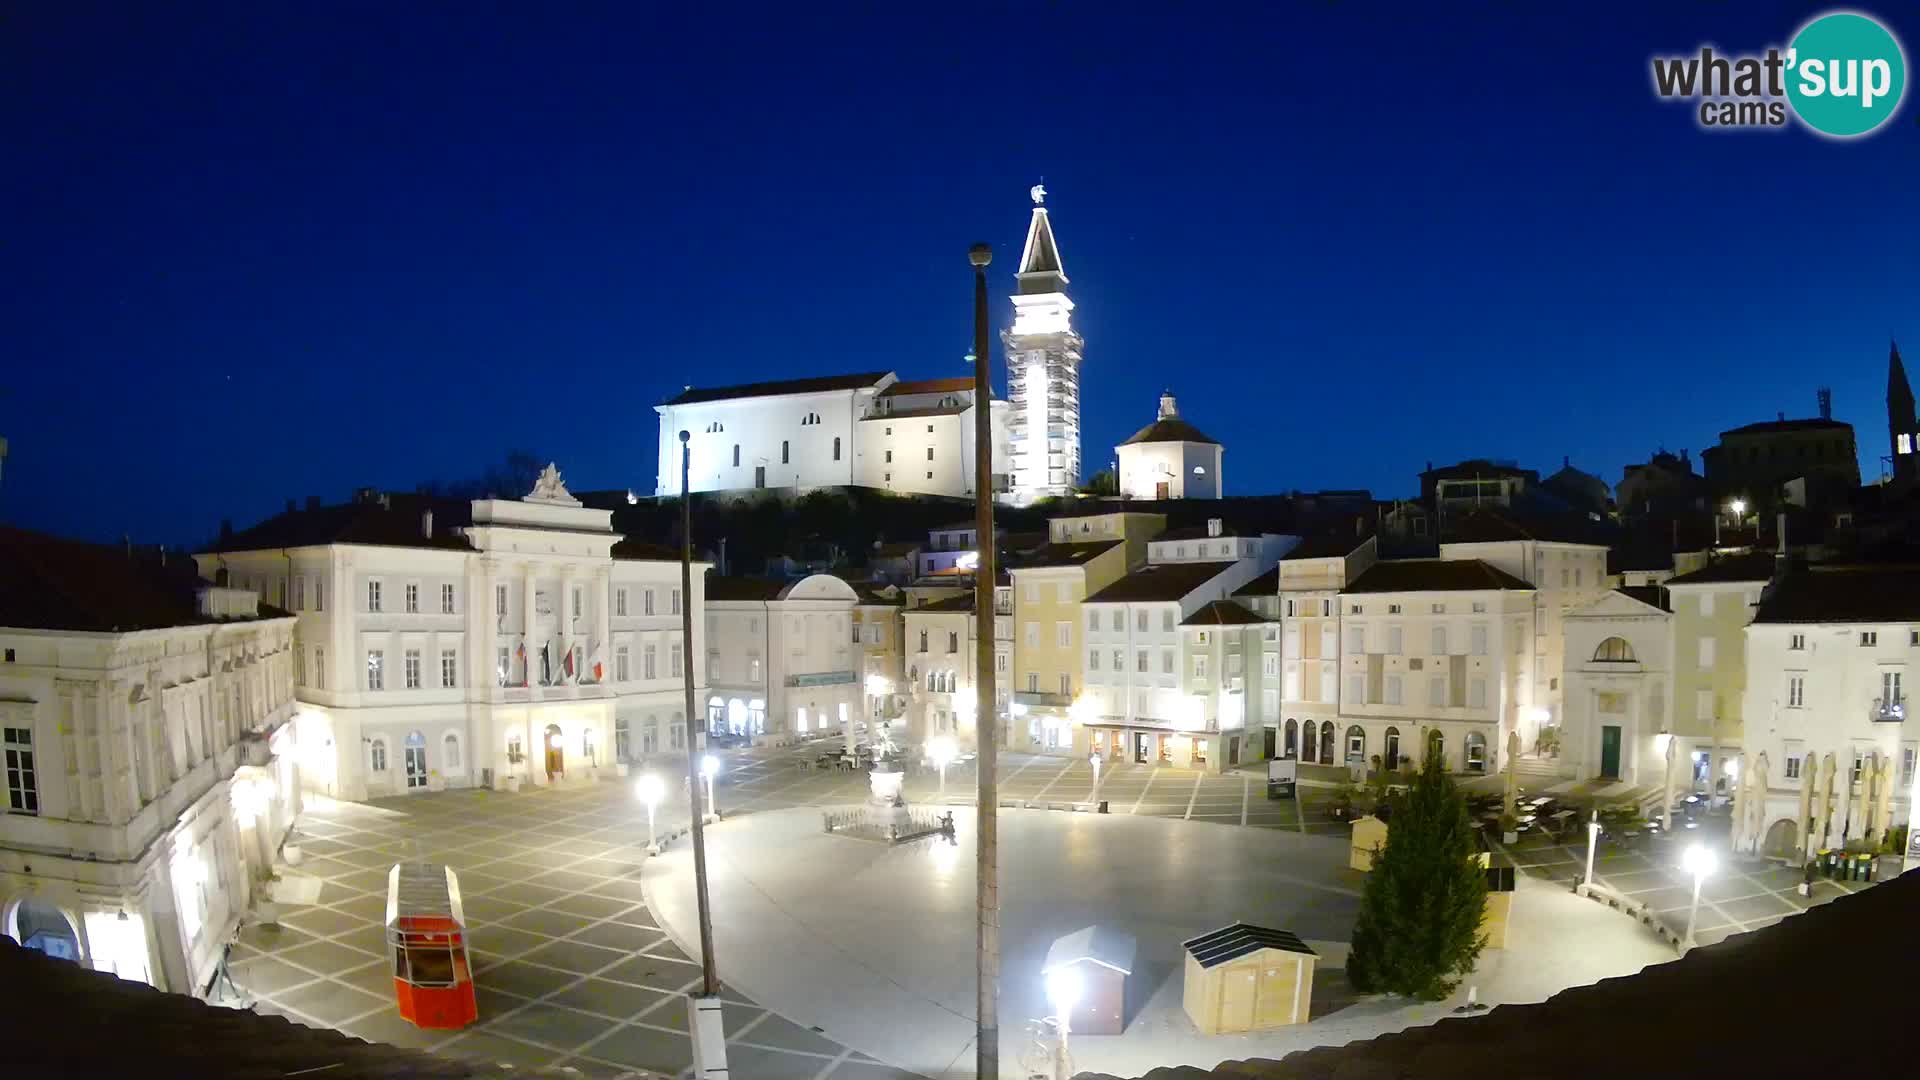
<point>426,524</point>
<point>313,502</point>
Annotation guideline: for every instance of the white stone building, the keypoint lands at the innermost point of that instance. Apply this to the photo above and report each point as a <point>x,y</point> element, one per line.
<point>1167,653</point>
<point>1619,690</point>
<point>864,429</point>
<point>942,643</point>
<point>1169,459</point>
<point>1043,368</point>
<point>151,772</point>
<point>451,644</point>
<point>1830,746</point>
<point>782,662</point>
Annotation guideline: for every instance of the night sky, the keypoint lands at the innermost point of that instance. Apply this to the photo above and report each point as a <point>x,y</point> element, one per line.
<point>252,255</point>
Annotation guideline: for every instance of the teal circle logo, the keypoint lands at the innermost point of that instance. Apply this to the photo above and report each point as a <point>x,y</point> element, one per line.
<point>1845,74</point>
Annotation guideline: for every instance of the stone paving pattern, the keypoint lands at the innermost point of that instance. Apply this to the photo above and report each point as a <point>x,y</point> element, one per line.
<point>572,970</point>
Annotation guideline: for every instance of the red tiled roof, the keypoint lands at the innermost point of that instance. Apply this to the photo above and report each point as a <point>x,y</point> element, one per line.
<point>50,583</point>
<point>958,385</point>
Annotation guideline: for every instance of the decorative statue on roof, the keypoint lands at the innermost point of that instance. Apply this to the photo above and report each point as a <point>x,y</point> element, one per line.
<point>550,488</point>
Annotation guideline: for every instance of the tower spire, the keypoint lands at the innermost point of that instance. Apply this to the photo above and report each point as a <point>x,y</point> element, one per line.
<point>1041,270</point>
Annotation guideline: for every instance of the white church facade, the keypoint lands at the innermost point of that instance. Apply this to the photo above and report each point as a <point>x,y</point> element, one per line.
<point>1169,459</point>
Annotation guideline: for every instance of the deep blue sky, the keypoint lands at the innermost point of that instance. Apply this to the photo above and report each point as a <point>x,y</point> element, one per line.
<point>259,254</point>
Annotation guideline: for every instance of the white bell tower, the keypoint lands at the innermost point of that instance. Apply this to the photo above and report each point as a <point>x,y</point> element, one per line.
<point>1043,368</point>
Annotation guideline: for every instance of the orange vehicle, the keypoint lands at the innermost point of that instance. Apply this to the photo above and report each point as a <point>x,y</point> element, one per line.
<point>427,937</point>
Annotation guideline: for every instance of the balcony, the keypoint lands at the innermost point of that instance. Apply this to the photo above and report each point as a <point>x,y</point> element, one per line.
<point>1888,710</point>
<point>1043,698</point>
<point>822,678</point>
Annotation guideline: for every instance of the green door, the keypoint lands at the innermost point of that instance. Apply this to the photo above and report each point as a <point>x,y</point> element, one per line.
<point>1610,751</point>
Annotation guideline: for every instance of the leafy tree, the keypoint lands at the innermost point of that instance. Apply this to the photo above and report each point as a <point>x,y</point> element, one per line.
<point>1101,483</point>
<point>1419,924</point>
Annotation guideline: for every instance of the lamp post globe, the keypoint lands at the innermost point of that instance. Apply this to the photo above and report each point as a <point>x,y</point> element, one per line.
<point>1699,862</point>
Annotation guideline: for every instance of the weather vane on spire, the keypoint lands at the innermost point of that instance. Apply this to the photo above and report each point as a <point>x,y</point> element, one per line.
<point>1039,193</point>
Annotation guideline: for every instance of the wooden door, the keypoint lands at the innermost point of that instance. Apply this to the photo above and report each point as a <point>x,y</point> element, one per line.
<point>1276,996</point>
<point>1239,993</point>
<point>1610,751</point>
<point>1160,490</point>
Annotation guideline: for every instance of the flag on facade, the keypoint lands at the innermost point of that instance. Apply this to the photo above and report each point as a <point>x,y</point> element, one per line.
<point>599,670</point>
<point>521,654</point>
<point>566,662</point>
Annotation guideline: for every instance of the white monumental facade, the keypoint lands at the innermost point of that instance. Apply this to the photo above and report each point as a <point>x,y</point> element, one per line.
<point>150,759</point>
<point>782,659</point>
<point>1169,459</point>
<point>449,644</point>
<point>1830,747</point>
<point>1619,683</point>
<point>1043,368</point>
<point>866,429</point>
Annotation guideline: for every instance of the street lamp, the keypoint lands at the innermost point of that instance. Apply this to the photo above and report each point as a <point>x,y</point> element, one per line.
<point>1739,508</point>
<point>650,790</point>
<point>1063,991</point>
<point>1697,861</point>
<point>1663,745</point>
<point>1093,759</point>
<point>709,766</point>
<point>942,751</point>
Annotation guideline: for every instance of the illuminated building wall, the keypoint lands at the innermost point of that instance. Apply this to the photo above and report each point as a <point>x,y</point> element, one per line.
<point>1043,369</point>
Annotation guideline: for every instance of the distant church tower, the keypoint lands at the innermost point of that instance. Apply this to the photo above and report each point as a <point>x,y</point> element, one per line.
<point>1902,431</point>
<point>1043,369</point>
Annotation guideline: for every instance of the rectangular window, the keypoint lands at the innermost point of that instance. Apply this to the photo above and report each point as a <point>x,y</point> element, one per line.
<point>1438,609</point>
<point>646,602</point>
<point>299,594</point>
<point>319,667</point>
<point>784,454</point>
<point>1066,686</point>
<point>1140,620</point>
<point>1140,661</point>
<point>1063,634</point>
<point>1093,621</point>
<point>836,448</point>
<point>1270,664</point>
<point>1703,704</point>
<point>1477,693</point>
<point>622,664</point>
<point>1796,691</point>
<point>376,669</point>
<point>889,457</point>
<point>1290,684</point>
<point>1706,604</point>
<point>1577,574</point>
<point>449,673</point>
<point>1166,661</point>
<point>502,665</point>
<point>649,662</point>
<point>1479,639</point>
<point>23,778</point>
<point>1869,638</point>
<point>1354,609</point>
<point>1890,687</point>
<point>412,598</point>
<point>500,601</point>
<point>1439,641</point>
<point>1796,641</point>
<point>575,602</point>
<point>929,452</point>
<point>1326,609</point>
<point>1119,620</point>
<point>1564,575</point>
<point>1393,641</point>
<point>1907,754</point>
<point>1437,691</point>
<point>1793,765</point>
<point>1063,592</point>
<point>619,601</point>
<point>373,595</point>
<point>673,605</point>
<point>675,658</point>
<point>1327,682</point>
<point>1119,659</point>
<point>1093,659</point>
<point>319,596</point>
<point>1000,665</point>
<point>1706,652</point>
<point>410,661</point>
<point>1356,640</point>
<point>1032,634</point>
<point>1166,621</point>
<point>446,599</point>
<point>1200,666</point>
<point>1393,609</point>
<point>1356,690</point>
<point>1393,689</point>
<point>1033,682</point>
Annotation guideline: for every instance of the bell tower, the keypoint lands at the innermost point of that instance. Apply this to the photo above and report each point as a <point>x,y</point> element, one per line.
<point>1043,368</point>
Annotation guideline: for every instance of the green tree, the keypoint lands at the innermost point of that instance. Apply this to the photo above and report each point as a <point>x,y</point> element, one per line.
<point>1101,483</point>
<point>1419,924</point>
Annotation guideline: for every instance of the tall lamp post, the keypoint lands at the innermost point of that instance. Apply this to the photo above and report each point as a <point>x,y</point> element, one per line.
<point>703,1021</point>
<point>878,687</point>
<point>941,750</point>
<point>1664,740</point>
<point>1698,861</point>
<point>710,767</point>
<point>648,789</point>
<point>1593,840</point>
<point>986,1039</point>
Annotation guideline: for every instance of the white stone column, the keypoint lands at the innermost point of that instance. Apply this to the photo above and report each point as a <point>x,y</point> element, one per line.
<point>530,596</point>
<point>602,645</point>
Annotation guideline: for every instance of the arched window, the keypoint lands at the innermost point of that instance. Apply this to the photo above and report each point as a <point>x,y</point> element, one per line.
<point>923,641</point>
<point>1437,745</point>
<point>736,455</point>
<point>1292,747</point>
<point>836,448</point>
<point>450,753</point>
<point>1392,759</point>
<point>622,740</point>
<point>1614,650</point>
<point>1326,743</point>
<point>377,756</point>
<point>1477,751</point>
<point>716,714</point>
<point>1356,743</point>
